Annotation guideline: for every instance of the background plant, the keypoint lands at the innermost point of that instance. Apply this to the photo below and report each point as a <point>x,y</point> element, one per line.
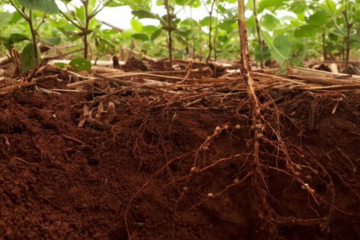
<point>83,18</point>
<point>330,28</point>
<point>34,13</point>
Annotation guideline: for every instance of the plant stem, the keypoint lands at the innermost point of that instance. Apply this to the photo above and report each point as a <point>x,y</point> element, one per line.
<point>99,9</point>
<point>215,35</point>
<point>169,20</point>
<point>324,43</point>
<point>245,60</point>
<point>347,38</point>
<point>32,29</point>
<point>72,21</point>
<point>19,11</point>
<point>210,31</point>
<point>192,29</point>
<point>33,36</point>
<point>257,178</point>
<point>261,45</point>
<point>86,28</point>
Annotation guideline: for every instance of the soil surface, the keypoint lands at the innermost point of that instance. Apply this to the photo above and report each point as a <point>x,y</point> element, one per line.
<point>137,180</point>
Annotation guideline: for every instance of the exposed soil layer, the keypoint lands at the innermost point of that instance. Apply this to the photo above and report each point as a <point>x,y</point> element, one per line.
<point>61,181</point>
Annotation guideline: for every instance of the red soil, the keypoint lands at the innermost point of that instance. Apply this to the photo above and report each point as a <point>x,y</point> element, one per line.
<point>60,181</point>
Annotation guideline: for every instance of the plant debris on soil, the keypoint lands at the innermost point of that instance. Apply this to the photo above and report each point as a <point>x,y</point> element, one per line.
<point>119,155</point>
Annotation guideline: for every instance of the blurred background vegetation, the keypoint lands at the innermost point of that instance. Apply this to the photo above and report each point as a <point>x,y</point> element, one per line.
<point>288,31</point>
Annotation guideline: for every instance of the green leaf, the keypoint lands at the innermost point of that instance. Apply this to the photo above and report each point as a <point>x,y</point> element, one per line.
<point>27,58</point>
<point>46,6</point>
<point>149,29</point>
<point>280,47</point>
<point>354,38</point>
<point>355,45</point>
<point>182,40</point>
<point>87,32</point>
<point>144,14</point>
<point>80,13</point>
<point>179,54</point>
<point>266,53</point>
<point>110,32</point>
<point>169,29</point>
<point>136,25</point>
<point>329,6</point>
<point>250,24</point>
<point>196,4</point>
<point>133,4</point>
<point>183,32</point>
<point>339,33</point>
<point>92,4</point>
<point>206,21</point>
<point>341,8</point>
<point>190,3</point>
<point>284,45</point>
<point>306,31</point>
<point>156,34</point>
<point>319,18</point>
<point>267,4</point>
<point>17,37</point>
<point>298,6</point>
<point>51,40</point>
<point>16,18</point>
<point>140,36</point>
<point>223,10</point>
<point>223,38</point>
<point>298,54</point>
<point>269,21</point>
<point>5,17</point>
<point>60,65</point>
<point>80,64</point>
<point>357,16</point>
<point>226,24</point>
<point>333,37</point>
<point>69,35</point>
<point>104,46</point>
<point>7,43</point>
<point>188,22</point>
<point>181,2</point>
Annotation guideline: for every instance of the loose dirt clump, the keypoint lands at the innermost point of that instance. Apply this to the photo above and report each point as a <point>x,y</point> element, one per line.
<point>152,169</point>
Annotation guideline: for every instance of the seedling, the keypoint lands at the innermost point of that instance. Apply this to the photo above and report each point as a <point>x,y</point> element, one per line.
<point>30,56</point>
<point>211,21</point>
<point>82,16</point>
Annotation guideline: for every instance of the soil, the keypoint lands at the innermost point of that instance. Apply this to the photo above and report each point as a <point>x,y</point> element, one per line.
<point>137,179</point>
